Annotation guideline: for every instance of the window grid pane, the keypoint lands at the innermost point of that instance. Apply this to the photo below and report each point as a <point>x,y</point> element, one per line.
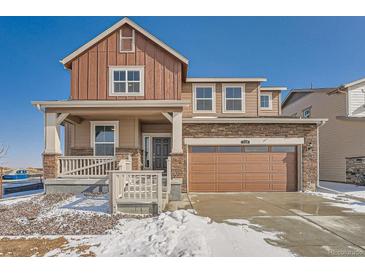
<point>127,81</point>
<point>264,101</point>
<point>234,104</point>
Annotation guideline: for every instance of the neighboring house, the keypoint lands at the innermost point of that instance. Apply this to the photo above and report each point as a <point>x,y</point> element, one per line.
<point>131,98</point>
<point>342,137</point>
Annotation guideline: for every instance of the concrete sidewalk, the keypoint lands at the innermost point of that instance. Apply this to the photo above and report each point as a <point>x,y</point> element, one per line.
<point>310,225</point>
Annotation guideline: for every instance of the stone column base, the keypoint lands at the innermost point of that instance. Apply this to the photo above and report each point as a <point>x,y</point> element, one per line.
<point>50,165</point>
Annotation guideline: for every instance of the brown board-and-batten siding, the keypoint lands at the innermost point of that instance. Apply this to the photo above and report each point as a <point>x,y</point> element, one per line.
<point>90,70</point>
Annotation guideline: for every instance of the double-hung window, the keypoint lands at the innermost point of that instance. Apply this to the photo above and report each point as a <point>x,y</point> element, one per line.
<point>104,137</point>
<point>204,98</point>
<point>265,101</point>
<point>233,98</point>
<point>126,81</point>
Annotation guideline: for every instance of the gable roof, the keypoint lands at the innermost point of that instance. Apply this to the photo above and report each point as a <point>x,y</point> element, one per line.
<point>117,25</point>
<point>344,87</point>
<point>304,91</point>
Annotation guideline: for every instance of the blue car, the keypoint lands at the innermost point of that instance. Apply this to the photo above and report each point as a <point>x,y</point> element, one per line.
<point>16,175</point>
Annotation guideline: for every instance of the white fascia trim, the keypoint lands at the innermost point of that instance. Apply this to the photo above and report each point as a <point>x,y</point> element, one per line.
<point>354,83</point>
<point>270,101</point>
<point>253,121</point>
<point>238,141</point>
<point>126,69</point>
<point>105,33</point>
<point>226,80</point>
<point>212,86</point>
<point>243,98</point>
<point>273,88</point>
<point>110,103</point>
<point>104,123</point>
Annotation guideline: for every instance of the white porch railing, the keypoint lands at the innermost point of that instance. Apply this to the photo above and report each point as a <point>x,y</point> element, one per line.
<point>136,186</point>
<point>86,166</point>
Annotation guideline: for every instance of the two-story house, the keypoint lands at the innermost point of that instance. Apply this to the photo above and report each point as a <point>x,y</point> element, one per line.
<point>342,146</point>
<point>131,98</point>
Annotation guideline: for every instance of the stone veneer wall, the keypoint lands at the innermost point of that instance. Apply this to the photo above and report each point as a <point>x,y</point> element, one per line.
<point>308,131</point>
<point>355,170</point>
<point>50,165</point>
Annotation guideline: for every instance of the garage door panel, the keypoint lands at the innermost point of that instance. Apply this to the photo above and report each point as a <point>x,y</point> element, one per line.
<point>202,177</point>
<point>229,187</point>
<point>256,167</point>
<point>257,187</point>
<point>256,157</point>
<point>229,158</point>
<point>257,177</point>
<point>203,167</point>
<point>204,158</point>
<point>228,168</point>
<point>279,187</point>
<point>229,177</point>
<point>223,171</point>
<point>202,188</point>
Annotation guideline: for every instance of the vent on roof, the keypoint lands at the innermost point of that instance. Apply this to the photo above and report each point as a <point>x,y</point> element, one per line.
<point>127,39</point>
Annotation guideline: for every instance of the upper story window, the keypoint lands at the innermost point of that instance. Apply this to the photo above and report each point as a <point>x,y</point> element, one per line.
<point>307,113</point>
<point>127,40</point>
<point>233,98</point>
<point>204,98</point>
<point>126,81</point>
<point>266,101</point>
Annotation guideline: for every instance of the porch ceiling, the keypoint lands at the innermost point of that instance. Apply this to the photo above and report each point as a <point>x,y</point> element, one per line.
<point>143,115</point>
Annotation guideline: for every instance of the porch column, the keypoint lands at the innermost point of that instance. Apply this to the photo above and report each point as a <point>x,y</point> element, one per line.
<point>177,133</point>
<point>52,145</point>
<point>52,134</point>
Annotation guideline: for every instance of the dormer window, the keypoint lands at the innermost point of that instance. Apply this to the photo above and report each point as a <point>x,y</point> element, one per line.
<point>204,98</point>
<point>126,81</point>
<point>233,98</point>
<point>266,101</point>
<point>127,40</point>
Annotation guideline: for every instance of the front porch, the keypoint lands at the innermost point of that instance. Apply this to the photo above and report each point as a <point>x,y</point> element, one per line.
<point>100,142</point>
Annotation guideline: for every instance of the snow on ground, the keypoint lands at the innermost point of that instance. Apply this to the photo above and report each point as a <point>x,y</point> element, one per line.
<point>340,200</point>
<point>80,204</point>
<point>15,200</point>
<point>178,233</point>
<point>88,228</point>
<point>349,189</point>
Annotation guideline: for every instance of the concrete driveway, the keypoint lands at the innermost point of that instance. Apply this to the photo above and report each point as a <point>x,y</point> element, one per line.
<point>309,225</point>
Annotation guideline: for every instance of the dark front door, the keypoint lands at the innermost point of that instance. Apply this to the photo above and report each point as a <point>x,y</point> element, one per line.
<point>161,150</point>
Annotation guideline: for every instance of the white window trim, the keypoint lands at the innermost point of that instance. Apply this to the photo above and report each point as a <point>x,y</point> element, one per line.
<point>270,101</point>
<point>125,38</point>
<point>150,147</point>
<point>212,86</point>
<point>126,68</point>
<point>104,123</point>
<point>243,98</point>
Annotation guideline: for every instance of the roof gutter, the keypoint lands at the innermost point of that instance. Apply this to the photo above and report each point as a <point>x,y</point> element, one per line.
<point>110,104</point>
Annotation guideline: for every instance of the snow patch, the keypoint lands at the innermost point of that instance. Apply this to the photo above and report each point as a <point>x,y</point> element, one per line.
<point>342,201</point>
<point>178,233</point>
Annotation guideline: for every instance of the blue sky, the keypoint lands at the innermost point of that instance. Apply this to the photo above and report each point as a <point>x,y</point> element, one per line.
<point>291,51</point>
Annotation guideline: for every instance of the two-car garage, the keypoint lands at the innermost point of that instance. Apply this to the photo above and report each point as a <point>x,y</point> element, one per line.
<point>242,168</point>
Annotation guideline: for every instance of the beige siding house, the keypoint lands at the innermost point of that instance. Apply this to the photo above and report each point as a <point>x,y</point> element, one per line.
<point>134,121</point>
<point>342,137</point>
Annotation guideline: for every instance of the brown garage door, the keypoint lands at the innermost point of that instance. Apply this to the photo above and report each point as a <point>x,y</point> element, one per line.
<point>242,168</point>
